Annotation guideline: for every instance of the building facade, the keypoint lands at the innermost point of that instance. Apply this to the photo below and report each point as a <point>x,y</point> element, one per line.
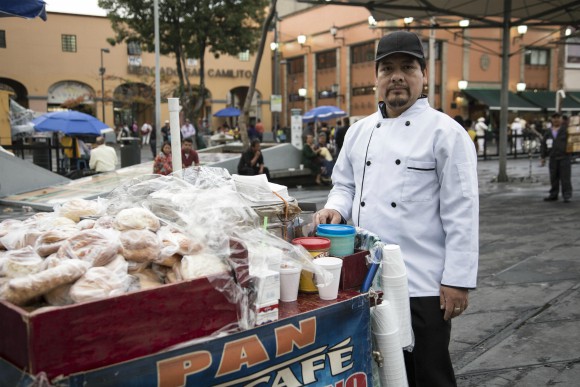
<point>54,65</point>
<point>334,65</point>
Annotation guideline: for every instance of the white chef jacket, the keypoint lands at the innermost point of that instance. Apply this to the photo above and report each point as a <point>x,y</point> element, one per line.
<point>412,180</point>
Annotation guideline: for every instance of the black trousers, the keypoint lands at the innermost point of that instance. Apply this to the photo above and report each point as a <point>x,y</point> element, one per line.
<point>429,365</point>
<point>560,173</point>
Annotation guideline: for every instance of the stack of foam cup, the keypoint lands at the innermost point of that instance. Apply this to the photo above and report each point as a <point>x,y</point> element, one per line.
<point>386,335</point>
<point>396,290</point>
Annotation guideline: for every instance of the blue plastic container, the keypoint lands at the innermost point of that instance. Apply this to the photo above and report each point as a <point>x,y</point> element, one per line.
<point>341,238</point>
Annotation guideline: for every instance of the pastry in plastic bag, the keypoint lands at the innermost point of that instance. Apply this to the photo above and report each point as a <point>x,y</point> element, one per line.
<point>175,242</point>
<point>106,221</point>
<point>22,262</point>
<point>6,226</point>
<point>97,283</point>
<point>59,296</point>
<point>21,291</point>
<point>136,219</point>
<point>50,241</point>
<point>77,208</point>
<point>148,279</point>
<point>20,237</point>
<point>85,224</point>
<point>202,265</point>
<point>96,246</point>
<point>140,245</point>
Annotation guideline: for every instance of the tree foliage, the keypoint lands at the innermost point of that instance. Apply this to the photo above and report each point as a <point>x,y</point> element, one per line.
<point>189,29</point>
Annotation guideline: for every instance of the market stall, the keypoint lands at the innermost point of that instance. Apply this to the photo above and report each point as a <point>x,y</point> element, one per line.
<point>120,281</point>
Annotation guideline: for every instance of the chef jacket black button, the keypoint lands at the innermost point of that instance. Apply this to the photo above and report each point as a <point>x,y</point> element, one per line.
<point>379,125</point>
<point>393,204</point>
<point>362,204</point>
<point>407,123</point>
<point>397,161</point>
<point>368,163</point>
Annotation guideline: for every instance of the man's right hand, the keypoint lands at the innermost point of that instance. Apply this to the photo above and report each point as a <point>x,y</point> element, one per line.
<point>327,215</point>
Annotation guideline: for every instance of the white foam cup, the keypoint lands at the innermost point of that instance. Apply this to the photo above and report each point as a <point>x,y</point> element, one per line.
<point>289,281</point>
<point>333,265</point>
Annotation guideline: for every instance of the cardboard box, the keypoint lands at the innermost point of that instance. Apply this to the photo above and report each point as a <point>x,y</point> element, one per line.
<point>81,337</point>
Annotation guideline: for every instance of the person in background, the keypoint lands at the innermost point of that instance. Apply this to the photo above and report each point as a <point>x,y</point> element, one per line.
<point>103,157</point>
<point>252,162</point>
<point>188,131</point>
<point>408,173</point>
<point>554,146</point>
<point>517,130</point>
<point>189,156</point>
<point>480,131</point>
<point>341,130</point>
<point>153,141</point>
<point>166,132</point>
<point>162,165</point>
<point>467,125</point>
<point>252,132</point>
<point>146,129</point>
<point>135,129</point>
<point>260,130</point>
<point>326,160</point>
<point>311,158</point>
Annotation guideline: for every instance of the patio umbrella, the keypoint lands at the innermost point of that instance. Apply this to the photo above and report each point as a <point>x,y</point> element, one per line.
<point>322,113</point>
<point>69,122</point>
<point>228,112</point>
<point>28,9</point>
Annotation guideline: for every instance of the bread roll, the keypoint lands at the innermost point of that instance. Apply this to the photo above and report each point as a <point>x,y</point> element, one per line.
<point>77,208</point>
<point>50,241</point>
<point>85,224</point>
<point>96,246</point>
<point>95,284</point>
<point>20,291</point>
<point>140,245</point>
<point>202,265</point>
<point>22,262</point>
<point>105,222</point>
<point>136,219</point>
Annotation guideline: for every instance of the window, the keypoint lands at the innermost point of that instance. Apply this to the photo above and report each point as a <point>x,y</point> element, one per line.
<point>296,65</point>
<point>365,90</point>
<point>537,57</point>
<point>326,60</point>
<point>363,53</point>
<point>69,43</point>
<point>2,39</point>
<point>244,56</point>
<point>133,47</point>
<point>437,49</point>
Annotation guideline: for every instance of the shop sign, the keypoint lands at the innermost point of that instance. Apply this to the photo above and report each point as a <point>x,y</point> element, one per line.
<point>276,103</point>
<point>296,128</point>
<point>170,71</point>
<point>329,346</point>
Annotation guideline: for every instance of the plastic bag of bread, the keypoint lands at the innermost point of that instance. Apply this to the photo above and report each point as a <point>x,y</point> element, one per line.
<point>140,245</point>
<point>52,221</point>
<point>202,265</point>
<point>85,224</point>
<point>59,296</point>
<point>136,219</point>
<point>148,279</point>
<point>106,221</point>
<point>97,283</point>
<point>22,290</point>
<point>50,241</point>
<point>22,262</point>
<point>175,242</point>
<point>77,208</point>
<point>119,266</point>
<point>6,226</point>
<point>20,236</point>
<point>96,246</point>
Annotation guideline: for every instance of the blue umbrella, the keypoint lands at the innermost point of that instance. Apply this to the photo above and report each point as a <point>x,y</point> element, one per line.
<point>69,122</point>
<point>28,9</point>
<point>228,112</point>
<point>322,113</point>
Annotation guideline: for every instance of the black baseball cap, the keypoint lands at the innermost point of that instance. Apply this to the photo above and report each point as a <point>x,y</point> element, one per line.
<point>404,42</point>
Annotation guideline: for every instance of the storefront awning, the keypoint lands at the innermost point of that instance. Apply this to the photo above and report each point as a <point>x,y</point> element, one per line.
<point>547,100</point>
<point>491,98</point>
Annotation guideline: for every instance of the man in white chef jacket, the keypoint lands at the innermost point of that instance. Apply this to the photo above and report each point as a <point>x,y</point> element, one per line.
<point>408,173</point>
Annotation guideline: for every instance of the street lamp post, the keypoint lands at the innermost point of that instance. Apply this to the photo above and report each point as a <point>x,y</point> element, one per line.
<point>102,72</point>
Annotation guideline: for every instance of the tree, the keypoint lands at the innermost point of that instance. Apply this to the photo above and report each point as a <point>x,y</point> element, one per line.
<point>189,29</point>
<point>246,110</point>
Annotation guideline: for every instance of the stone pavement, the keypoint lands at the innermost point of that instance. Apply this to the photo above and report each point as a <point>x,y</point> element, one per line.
<point>522,326</point>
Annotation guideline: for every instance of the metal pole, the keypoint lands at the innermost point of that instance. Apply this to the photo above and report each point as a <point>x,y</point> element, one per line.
<point>502,176</point>
<point>276,71</point>
<point>102,72</point>
<point>157,78</point>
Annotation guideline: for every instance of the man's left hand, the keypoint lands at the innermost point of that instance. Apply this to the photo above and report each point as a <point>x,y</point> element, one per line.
<point>453,301</point>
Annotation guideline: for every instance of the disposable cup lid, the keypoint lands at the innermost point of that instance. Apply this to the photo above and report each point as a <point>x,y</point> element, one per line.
<point>312,243</point>
<point>336,229</point>
<point>328,262</point>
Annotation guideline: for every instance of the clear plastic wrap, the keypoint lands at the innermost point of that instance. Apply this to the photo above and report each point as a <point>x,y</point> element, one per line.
<point>76,209</point>
<point>22,262</point>
<point>95,246</point>
<point>98,283</point>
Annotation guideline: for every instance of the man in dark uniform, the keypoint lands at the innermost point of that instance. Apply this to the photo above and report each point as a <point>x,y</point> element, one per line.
<point>252,162</point>
<point>554,146</point>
